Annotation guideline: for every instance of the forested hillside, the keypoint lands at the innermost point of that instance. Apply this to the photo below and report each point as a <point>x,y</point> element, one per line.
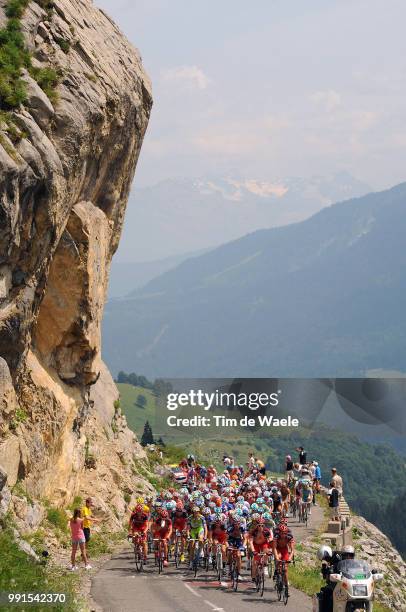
<point>320,298</point>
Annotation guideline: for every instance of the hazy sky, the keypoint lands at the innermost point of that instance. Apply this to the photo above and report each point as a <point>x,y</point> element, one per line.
<point>272,88</point>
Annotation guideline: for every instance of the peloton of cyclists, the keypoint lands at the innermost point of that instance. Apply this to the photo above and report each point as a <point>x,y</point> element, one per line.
<point>235,509</point>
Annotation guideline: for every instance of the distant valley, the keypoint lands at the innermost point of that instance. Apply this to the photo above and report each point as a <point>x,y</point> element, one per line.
<point>323,297</point>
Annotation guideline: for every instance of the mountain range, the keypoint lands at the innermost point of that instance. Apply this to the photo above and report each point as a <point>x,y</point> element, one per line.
<point>322,297</point>
<point>185,215</point>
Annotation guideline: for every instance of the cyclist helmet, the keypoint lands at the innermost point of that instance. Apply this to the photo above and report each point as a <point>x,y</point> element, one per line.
<point>138,508</point>
<point>195,509</point>
<point>164,514</point>
<point>206,511</point>
<point>283,529</point>
<point>288,458</point>
<point>261,520</point>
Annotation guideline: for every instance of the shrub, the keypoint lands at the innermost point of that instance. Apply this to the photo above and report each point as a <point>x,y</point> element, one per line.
<point>15,8</point>
<point>14,56</point>
<point>64,44</point>
<point>58,518</point>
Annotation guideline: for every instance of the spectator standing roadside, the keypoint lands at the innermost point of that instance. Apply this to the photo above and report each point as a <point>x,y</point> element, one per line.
<point>260,465</point>
<point>88,518</point>
<point>334,502</point>
<point>289,468</point>
<point>302,455</point>
<point>337,481</point>
<point>78,539</point>
<point>316,481</point>
<point>251,461</point>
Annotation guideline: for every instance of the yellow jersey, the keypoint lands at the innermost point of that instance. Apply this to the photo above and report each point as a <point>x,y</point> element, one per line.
<point>87,517</point>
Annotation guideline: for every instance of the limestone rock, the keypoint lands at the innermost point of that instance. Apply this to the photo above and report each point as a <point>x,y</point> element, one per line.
<point>63,192</point>
<point>24,546</point>
<point>373,546</point>
<point>40,105</point>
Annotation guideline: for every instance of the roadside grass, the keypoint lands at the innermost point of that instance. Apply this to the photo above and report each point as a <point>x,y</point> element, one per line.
<point>20,573</point>
<point>378,607</point>
<point>306,579</point>
<point>103,542</point>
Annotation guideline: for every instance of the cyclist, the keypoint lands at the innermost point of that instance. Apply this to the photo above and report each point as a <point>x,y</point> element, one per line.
<point>260,541</point>
<point>283,548</point>
<point>285,498</point>
<point>316,481</point>
<point>236,532</point>
<point>138,525</point>
<point>179,523</point>
<point>289,468</point>
<point>306,497</point>
<point>197,530</point>
<point>162,529</point>
<point>211,475</point>
<point>218,534</point>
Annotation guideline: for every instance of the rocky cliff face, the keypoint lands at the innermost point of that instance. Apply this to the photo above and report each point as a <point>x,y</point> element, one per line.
<point>63,192</point>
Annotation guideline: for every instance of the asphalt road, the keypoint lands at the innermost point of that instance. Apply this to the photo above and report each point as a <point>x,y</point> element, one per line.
<point>118,588</point>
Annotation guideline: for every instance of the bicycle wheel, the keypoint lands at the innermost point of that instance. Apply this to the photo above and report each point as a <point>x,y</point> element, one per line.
<point>139,561</point>
<point>177,555</point>
<point>219,565</point>
<point>196,560</point>
<point>270,568</point>
<point>206,562</point>
<point>235,578</point>
<point>285,594</point>
<point>262,583</point>
<point>279,586</point>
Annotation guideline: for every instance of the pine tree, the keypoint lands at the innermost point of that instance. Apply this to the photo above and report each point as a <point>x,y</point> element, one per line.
<point>161,443</point>
<point>147,436</point>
